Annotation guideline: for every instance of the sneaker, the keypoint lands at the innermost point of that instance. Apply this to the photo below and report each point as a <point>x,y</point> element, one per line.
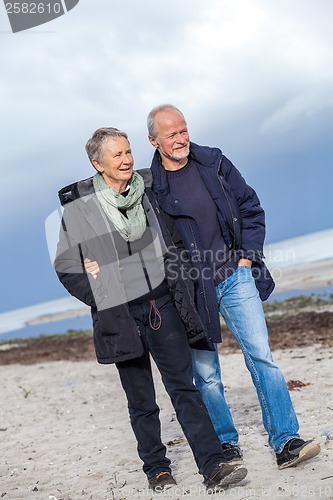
<point>296,451</point>
<point>162,481</point>
<point>232,454</point>
<point>223,475</point>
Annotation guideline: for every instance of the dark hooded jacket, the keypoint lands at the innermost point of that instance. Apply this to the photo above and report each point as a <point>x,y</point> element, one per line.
<point>241,218</point>
<point>87,233</point>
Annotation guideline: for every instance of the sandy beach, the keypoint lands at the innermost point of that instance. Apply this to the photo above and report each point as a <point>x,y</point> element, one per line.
<point>309,276</point>
<point>65,433</point>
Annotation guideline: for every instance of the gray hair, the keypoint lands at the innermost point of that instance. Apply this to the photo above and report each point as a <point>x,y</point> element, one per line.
<point>94,146</point>
<point>151,117</point>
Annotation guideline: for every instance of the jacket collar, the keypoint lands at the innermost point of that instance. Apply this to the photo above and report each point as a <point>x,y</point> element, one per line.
<point>205,156</point>
<point>82,189</point>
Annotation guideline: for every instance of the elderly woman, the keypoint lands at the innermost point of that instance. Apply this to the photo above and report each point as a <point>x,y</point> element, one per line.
<point>116,253</point>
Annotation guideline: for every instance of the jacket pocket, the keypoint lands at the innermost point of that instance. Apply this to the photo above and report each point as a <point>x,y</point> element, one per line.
<point>263,280</point>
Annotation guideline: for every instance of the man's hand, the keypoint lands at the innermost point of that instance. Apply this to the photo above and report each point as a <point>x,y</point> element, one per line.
<point>91,267</point>
<point>244,262</point>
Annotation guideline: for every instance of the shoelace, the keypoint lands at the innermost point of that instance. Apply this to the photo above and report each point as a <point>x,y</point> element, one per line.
<point>155,317</point>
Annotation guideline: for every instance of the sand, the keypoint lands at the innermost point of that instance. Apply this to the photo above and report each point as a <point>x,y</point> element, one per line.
<point>306,276</point>
<point>65,434</point>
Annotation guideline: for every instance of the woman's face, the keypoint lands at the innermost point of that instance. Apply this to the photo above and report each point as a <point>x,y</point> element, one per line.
<point>117,163</point>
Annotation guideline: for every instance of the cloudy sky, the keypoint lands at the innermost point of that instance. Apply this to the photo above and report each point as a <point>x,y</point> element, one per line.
<point>254,78</point>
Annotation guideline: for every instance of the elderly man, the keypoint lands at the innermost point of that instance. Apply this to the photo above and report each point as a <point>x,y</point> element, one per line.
<point>222,226</point>
<point>116,254</point>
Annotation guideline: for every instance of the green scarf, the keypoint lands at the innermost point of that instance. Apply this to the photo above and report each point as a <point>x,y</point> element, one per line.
<point>134,225</point>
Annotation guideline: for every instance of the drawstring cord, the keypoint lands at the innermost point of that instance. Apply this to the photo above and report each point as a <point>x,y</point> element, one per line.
<point>155,317</point>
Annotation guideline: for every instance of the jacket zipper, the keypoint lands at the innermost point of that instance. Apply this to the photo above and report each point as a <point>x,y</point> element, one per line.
<point>234,219</point>
<point>202,286</point>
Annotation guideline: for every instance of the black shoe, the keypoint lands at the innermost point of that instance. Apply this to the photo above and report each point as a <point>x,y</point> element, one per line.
<point>162,481</point>
<point>296,451</point>
<point>223,475</point>
<point>232,454</point>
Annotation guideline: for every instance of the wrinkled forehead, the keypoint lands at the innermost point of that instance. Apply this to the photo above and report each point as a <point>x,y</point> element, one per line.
<point>169,121</point>
<point>115,144</point>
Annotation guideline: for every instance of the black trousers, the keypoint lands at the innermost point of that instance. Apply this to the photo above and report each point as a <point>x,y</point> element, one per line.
<point>169,347</point>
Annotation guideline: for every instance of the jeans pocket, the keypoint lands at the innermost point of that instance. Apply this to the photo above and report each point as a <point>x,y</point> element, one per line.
<point>244,273</point>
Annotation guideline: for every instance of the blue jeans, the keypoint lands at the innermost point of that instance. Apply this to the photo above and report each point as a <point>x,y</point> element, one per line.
<point>169,347</point>
<point>241,308</point>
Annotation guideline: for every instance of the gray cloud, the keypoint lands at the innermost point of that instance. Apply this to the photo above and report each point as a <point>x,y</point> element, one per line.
<point>254,74</point>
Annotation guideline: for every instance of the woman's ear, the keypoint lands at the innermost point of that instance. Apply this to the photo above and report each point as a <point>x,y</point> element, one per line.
<point>97,165</point>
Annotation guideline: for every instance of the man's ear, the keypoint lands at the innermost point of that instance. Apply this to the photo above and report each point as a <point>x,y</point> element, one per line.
<point>153,141</point>
<point>98,167</point>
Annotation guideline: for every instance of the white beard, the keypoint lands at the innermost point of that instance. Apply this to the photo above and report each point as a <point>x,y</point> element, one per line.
<point>173,157</point>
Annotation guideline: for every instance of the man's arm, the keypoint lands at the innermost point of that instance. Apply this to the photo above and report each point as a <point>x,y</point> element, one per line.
<point>252,214</point>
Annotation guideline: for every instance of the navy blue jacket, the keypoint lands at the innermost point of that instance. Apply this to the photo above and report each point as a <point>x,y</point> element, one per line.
<point>242,222</point>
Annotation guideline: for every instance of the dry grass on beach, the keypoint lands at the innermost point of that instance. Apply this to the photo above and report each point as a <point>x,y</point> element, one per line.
<point>297,322</point>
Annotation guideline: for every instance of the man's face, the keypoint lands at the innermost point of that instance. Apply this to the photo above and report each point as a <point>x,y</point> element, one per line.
<point>172,140</point>
<point>117,162</point>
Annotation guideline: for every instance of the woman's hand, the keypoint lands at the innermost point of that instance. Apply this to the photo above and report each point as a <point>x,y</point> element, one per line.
<point>91,267</point>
